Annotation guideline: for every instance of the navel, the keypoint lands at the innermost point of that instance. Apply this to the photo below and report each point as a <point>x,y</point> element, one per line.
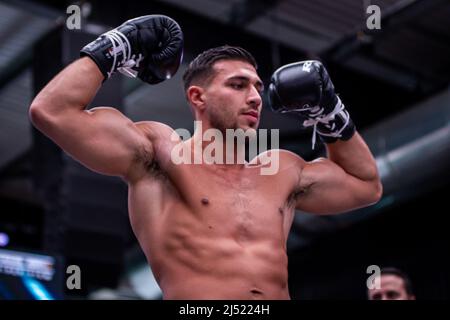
<point>256,292</point>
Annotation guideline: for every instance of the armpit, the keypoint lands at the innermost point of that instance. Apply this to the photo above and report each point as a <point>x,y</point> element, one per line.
<point>150,164</point>
<point>154,169</point>
<point>295,196</point>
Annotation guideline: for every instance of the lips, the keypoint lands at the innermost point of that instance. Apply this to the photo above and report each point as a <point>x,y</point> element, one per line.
<point>252,114</point>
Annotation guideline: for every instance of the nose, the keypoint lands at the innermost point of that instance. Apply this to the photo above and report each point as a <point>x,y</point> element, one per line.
<point>254,98</point>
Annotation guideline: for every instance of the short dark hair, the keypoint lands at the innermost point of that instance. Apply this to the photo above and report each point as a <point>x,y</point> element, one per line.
<point>201,68</point>
<point>400,274</point>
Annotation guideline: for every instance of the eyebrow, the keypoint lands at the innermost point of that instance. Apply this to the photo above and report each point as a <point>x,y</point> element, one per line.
<point>258,83</point>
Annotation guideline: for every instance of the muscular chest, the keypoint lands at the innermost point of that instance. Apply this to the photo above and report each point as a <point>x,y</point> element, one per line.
<point>245,206</point>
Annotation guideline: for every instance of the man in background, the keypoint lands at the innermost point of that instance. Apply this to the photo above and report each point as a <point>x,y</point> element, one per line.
<point>394,285</point>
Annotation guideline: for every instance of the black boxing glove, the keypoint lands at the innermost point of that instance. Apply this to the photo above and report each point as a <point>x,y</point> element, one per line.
<point>149,47</point>
<point>306,89</point>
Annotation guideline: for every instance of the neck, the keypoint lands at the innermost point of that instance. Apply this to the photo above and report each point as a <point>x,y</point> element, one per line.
<point>211,146</point>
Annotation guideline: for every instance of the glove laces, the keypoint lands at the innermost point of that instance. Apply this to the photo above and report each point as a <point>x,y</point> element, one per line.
<point>120,44</point>
<point>317,117</point>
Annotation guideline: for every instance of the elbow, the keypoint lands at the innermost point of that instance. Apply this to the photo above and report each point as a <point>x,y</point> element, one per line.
<point>38,115</point>
<point>34,114</point>
<point>375,185</point>
<point>377,191</point>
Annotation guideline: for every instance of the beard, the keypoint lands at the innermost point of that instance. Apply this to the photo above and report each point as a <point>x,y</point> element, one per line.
<point>222,118</point>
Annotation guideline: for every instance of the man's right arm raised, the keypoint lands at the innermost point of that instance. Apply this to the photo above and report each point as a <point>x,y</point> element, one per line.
<point>103,139</point>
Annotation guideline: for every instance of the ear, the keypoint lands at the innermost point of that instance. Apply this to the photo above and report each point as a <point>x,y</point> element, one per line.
<point>195,97</point>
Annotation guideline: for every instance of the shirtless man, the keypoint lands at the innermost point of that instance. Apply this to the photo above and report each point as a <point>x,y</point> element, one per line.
<point>209,231</point>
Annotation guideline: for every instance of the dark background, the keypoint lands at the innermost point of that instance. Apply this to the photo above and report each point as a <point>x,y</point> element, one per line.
<point>394,82</point>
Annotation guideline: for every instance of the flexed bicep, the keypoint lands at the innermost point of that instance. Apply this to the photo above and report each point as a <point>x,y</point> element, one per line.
<point>148,47</point>
<point>102,139</point>
<point>328,189</point>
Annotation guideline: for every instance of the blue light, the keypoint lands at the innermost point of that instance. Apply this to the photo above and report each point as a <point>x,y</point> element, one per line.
<point>4,239</point>
<point>36,289</point>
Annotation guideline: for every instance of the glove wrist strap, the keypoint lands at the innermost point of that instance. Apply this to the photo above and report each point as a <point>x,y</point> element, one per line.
<point>112,52</point>
<point>330,127</point>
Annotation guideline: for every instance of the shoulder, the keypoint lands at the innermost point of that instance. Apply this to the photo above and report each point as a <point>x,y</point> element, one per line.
<point>154,129</point>
<point>158,132</point>
<point>286,158</point>
<point>279,162</point>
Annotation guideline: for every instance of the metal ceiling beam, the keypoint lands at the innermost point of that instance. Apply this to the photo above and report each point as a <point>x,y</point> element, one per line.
<point>359,51</point>
<point>34,8</point>
<point>24,57</point>
<point>399,14</point>
<point>243,13</point>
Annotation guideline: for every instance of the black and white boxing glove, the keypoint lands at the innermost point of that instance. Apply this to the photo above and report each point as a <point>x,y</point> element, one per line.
<point>148,47</point>
<point>306,89</point>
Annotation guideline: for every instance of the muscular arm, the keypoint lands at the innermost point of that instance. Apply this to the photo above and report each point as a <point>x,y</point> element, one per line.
<point>347,180</point>
<point>102,139</point>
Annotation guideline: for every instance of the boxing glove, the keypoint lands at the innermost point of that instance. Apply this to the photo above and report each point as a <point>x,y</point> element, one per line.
<point>148,47</point>
<point>306,89</point>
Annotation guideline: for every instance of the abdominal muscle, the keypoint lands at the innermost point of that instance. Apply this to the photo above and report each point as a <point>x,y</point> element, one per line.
<point>196,256</point>
<point>216,267</point>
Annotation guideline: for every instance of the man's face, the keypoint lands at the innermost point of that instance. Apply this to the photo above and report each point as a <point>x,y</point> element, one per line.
<point>233,96</point>
<point>392,287</point>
